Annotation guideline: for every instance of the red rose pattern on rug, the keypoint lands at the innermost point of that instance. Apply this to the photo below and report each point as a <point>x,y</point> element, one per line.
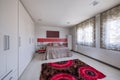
<point>62,76</point>
<point>69,70</point>
<point>62,64</point>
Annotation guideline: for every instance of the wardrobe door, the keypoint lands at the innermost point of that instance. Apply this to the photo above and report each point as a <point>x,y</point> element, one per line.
<point>2,53</point>
<point>8,36</point>
<point>2,64</point>
<point>11,31</point>
<point>26,33</point>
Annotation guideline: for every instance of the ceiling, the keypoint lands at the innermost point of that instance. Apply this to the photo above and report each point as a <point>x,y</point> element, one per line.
<point>65,13</point>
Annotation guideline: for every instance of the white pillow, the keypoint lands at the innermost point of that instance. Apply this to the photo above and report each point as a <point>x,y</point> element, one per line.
<point>55,44</point>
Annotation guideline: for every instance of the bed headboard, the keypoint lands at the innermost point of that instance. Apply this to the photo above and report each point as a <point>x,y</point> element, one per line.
<point>42,42</point>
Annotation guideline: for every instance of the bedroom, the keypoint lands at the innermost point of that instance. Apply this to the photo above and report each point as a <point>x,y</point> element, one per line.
<point>78,26</point>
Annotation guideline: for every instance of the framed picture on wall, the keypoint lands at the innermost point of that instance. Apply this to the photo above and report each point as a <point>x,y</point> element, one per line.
<point>52,34</point>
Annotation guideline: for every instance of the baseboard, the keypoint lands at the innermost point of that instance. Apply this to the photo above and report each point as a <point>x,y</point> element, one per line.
<point>97,60</point>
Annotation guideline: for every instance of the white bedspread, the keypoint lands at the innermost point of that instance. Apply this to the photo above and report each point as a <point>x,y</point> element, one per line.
<point>53,52</point>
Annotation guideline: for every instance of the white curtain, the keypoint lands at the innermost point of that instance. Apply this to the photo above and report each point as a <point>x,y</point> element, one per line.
<point>110,29</point>
<point>86,33</point>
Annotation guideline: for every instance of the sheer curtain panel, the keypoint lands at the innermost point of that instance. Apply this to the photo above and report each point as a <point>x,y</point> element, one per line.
<point>86,33</point>
<point>110,29</point>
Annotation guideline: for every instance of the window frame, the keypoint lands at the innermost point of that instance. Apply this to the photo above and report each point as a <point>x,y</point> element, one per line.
<point>94,32</point>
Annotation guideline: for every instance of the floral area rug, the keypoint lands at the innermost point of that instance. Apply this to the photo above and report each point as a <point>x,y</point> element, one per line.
<point>69,70</point>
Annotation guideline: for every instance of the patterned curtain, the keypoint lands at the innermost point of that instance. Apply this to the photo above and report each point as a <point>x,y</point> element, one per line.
<point>86,33</point>
<point>110,29</point>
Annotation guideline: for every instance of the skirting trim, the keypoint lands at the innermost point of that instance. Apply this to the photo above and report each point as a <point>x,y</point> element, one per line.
<point>97,60</point>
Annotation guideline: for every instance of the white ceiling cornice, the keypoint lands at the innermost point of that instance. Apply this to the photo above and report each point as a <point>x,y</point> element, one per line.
<point>65,13</point>
<point>27,11</point>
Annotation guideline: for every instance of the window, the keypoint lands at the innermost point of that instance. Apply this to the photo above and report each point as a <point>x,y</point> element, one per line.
<point>86,33</point>
<point>110,29</point>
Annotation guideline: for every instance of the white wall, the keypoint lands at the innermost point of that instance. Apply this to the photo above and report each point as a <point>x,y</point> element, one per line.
<point>26,34</point>
<point>108,56</point>
<point>40,31</point>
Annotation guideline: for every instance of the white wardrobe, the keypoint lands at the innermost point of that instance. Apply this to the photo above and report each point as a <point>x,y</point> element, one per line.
<point>16,39</point>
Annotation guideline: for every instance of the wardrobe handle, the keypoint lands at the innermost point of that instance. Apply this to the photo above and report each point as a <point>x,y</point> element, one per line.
<point>29,40</point>
<point>6,42</point>
<point>19,41</point>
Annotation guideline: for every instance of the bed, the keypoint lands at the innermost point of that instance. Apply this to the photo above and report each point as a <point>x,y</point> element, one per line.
<point>57,51</point>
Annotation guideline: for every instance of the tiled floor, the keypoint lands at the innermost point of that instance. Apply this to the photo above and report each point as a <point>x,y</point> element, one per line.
<point>32,72</point>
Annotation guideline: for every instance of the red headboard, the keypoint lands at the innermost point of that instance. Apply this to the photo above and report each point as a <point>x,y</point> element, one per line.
<point>64,40</point>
